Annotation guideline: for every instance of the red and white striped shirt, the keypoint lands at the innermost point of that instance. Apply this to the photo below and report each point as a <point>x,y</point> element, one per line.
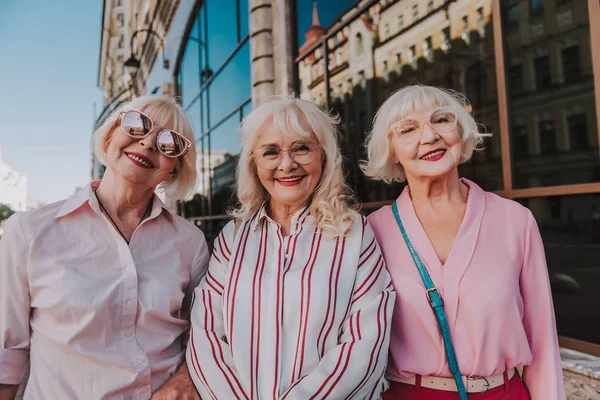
<point>304,316</point>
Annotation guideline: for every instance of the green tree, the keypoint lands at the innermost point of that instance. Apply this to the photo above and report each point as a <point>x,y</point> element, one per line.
<point>5,212</point>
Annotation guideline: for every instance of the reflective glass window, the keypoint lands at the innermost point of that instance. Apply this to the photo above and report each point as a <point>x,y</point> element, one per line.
<point>231,87</point>
<point>570,228</point>
<point>551,99</point>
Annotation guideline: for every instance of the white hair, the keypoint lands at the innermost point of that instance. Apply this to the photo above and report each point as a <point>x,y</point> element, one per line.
<point>164,112</point>
<point>415,98</point>
<point>291,116</point>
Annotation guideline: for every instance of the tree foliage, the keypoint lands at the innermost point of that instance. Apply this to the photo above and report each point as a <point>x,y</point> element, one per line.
<point>5,211</point>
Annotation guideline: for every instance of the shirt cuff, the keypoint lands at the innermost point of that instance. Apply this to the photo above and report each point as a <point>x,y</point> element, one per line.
<point>13,366</point>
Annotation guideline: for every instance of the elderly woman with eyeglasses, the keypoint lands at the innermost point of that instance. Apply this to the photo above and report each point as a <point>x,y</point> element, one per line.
<point>95,290</point>
<point>297,302</point>
<point>474,303</point>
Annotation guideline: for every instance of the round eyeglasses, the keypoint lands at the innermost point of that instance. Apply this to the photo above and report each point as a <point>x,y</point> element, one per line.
<point>441,120</point>
<point>138,125</point>
<point>269,157</point>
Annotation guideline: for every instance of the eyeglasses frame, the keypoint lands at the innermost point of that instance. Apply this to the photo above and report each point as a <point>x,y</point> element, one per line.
<point>188,143</point>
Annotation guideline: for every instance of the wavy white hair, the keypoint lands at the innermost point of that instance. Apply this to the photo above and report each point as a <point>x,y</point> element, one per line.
<point>164,112</point>
<point>415,98</point>
<point>291,116</point>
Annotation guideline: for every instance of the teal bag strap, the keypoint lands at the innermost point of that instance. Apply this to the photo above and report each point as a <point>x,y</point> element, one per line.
<point>437,304</point>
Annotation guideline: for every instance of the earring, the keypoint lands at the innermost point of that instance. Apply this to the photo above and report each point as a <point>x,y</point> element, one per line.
<point>174,172</point>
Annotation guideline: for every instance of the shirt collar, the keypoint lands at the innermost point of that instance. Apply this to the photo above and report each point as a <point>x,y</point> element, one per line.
<point>87,195</point>
<point>297,219</point>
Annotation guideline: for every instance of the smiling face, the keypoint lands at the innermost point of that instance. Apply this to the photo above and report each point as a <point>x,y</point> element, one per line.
<point>138,160</point>
<point>289,184</point>
<point>432,153</point>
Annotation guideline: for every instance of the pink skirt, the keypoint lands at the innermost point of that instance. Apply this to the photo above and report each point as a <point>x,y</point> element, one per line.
<point>511,390</point>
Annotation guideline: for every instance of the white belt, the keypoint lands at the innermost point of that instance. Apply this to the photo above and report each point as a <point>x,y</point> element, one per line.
<point>473,384</point>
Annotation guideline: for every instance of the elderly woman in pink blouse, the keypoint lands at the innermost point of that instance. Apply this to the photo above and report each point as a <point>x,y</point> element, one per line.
<point>483,255</point>
<point>297,302</point>
<point>95,290</point>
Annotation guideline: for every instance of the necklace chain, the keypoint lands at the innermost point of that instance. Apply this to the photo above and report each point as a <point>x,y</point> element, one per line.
<point>113,222</point>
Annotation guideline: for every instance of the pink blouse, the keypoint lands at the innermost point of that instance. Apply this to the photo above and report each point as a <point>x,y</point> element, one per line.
<point>496,295</point>
<point>96,318</point>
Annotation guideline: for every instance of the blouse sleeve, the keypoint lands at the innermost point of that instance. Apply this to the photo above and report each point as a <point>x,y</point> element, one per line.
<point>208,354</point>
<point>354,368</point>
<point>197,271</point>
<point>543,377</point>
<point>14,303</point>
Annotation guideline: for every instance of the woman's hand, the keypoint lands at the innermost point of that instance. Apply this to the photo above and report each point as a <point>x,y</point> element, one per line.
<point>179,387</point>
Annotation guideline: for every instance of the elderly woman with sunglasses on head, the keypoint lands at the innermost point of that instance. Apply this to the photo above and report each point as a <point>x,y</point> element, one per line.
<point>297,302</point>
<point>463,261</point>
<point>95,290</point>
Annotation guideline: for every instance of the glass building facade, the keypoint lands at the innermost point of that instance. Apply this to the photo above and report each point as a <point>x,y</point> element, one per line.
<point>530,70</point>
<point>214,82</point>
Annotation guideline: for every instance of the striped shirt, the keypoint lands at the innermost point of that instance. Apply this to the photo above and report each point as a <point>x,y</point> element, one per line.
<point>303,316</point>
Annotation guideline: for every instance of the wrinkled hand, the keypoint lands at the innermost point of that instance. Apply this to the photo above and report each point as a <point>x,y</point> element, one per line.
<point>179,387</point>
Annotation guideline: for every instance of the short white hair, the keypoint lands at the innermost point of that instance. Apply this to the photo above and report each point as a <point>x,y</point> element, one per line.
<point>164,112</point>
<point>415,98</point>
<point>330,203</point>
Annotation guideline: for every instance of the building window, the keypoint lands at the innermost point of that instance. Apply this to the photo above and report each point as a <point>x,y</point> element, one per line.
<point>511,8</point>
<point>362,80</point>
<point>536,8</point>
<point>386,30</point>
<point>578,131</point>
<point>543,78</point>
<point>427,49</point>
<point>547,129</point>
<point>415,12</point>
<point>412,55</point>
<point>359,44</point>
<point>386,72</point>
<point>350,85</point>
<point>430,6</point>
<point>465,30</point>
<point>571,64</point>
<point>121,42</point>
<point>120,20</point>
<point>339,57</point>
<point>401,21</point>
<point>476,84</point>
<point>520,142</point>
<point>445,40</point>
<point>515,79</point>
<point>561,2</point>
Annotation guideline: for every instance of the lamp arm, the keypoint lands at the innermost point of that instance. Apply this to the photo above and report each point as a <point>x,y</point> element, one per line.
<point>147,30</point>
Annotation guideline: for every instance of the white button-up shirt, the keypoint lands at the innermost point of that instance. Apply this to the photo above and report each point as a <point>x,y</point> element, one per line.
<point>295,317</point>
<point>97,318</point>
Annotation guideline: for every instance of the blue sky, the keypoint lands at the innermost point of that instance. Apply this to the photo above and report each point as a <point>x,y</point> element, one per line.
<point>329,10</point>
<point>48,88</point>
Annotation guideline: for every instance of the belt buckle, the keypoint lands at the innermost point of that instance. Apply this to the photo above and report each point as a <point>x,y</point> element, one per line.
<point>486,384</point>
<point>428,293</point>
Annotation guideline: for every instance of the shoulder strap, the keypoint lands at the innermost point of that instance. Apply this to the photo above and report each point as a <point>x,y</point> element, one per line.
<point>437,304</point>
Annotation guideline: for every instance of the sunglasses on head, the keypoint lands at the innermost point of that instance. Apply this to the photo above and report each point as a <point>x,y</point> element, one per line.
<point>138,125</point>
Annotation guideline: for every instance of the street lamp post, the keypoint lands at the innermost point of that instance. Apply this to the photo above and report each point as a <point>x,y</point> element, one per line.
<point>132,65</point>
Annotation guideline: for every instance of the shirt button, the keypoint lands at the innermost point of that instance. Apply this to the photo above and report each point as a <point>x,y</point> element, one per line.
<point>140,360</point>
<point>130,303</point>
<point>286,256</point>
<point>129,334</point>
<point>130,268</point>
